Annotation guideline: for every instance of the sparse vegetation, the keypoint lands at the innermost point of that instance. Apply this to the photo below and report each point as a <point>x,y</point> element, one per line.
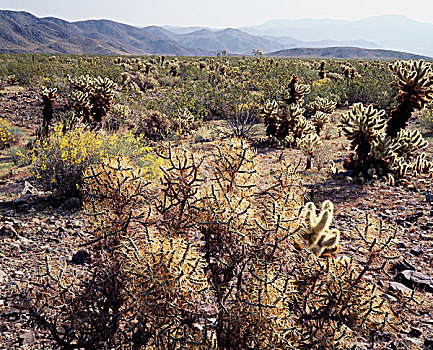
<point>221,241</point>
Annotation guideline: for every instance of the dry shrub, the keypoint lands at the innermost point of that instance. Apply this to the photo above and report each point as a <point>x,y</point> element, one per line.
<point>153,125</point>
<point>207,258</point>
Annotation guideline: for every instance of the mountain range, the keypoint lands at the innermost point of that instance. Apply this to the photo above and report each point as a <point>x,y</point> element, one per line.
<point>346,53</point>
<point>23,32</point>
<point>394,32</point>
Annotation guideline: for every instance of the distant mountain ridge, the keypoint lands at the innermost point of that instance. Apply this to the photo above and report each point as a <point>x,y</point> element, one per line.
<point>346,53</point>
<point>393,32</point>
<point>22,32</point>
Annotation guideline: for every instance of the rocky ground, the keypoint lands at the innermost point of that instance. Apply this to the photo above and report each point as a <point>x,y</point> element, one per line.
<point>34,226</point>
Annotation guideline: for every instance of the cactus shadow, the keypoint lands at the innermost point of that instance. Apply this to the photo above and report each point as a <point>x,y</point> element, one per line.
<point>338,191</point>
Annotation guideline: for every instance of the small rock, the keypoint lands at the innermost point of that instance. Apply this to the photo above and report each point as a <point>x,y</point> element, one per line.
<point>411,342</point>
<point>390,297</point>
<point>2,276</point>
<point>11,314</point>
<point>427,320</point>
<point>359,346</point>
<point>427,237</point>
<point>71,204</point>
<point>26,338</point>
<point>400,245</point>
<point>397,287</point>
<point>400,345</point>
<point>18,273</point>
<point>415,279</point>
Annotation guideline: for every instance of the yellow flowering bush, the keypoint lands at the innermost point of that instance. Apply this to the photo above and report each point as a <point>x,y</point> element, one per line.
<point>6,137</point>
<point>58,162</point>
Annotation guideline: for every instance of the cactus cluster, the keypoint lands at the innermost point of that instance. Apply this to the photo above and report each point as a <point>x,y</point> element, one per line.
<point>335,76</point>
<point>137,65</point>
<point>93,98</point>
<point>378,154</point>
<point>137,81</point>
<point>184,122</point>
<point>205,257</point>
<point>349,71</point>
<point>284,119</point>
<point>415,84</point>
<point>321,110</point>
<point>386,147</point>
<point>321,105</point>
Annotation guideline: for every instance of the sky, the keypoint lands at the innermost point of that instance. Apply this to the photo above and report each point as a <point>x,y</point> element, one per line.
<point>218,13</point>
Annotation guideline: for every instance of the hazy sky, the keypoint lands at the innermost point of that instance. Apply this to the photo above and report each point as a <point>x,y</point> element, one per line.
<point>218,13</point>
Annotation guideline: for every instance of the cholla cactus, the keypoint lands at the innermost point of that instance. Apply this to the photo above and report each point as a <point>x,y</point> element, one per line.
<point>315,228</point>
<point>138,81</point>
<point>322,72</point>
<point>383,148</point>
<point>319,120</point>
<point>392,148</point>
<point>129,83</point>
<point>308,144</point>
<point>284,118</point>
<point>82,105</point>
<point>332,169</point>
<point>421,164</point>
<point>203,257</point>
<point>410,141</point>
<point>415,83</point>
<point>184,122</point>
<point>48,95</point>
<point>362,125</point>
<point>378,154</point>
<point>294,93</point>
<point>349,71</point>
<point>121,111</point>
<point>174,69</point>
<point>93,97</point>
<point>323,105</point>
